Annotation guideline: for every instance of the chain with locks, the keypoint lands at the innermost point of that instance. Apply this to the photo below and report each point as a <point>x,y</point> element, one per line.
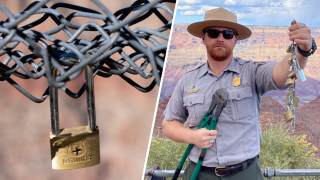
<point>295,73</point>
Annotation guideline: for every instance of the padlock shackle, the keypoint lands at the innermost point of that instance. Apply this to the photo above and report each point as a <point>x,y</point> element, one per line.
<point>54,109</point>
<point>91,109</point>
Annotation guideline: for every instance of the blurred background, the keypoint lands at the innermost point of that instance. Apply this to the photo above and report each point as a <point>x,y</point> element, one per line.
<point>124,114</point>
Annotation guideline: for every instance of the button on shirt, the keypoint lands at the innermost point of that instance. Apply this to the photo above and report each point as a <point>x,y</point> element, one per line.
<point>239,133</point>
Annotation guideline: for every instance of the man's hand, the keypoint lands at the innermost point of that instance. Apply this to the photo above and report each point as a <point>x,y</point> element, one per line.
<point>175,131</point>
<point>301,34</point>
<point>202,138</point>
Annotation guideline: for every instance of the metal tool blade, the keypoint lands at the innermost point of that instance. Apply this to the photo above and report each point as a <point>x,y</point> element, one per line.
<point>219,99</point>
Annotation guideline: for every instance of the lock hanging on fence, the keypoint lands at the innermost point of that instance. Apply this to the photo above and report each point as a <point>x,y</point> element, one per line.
<point>75,147</point>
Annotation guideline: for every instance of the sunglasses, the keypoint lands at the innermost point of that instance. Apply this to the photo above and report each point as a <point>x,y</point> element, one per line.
<point>213,33</point>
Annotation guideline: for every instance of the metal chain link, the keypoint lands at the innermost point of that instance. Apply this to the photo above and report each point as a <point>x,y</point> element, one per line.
<point>295,73</point>
<point>70,57</point>
<point>291,88</point>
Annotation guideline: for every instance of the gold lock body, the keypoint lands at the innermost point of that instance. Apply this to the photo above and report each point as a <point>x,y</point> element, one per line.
<point>290,62</point>
<point>288,116</point>
<point>291,75</point>
<point>288,49</point>
<point>289,82</point>
<point>75,147</point>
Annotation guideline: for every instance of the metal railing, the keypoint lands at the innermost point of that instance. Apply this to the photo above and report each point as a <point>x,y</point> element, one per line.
<point>268,173</point>
<point>69,57</point>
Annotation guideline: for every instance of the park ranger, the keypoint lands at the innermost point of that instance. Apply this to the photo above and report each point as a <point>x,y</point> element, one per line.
<point>233,148</point>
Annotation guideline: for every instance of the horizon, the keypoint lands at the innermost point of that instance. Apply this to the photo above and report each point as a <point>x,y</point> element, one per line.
<point>257,25</point>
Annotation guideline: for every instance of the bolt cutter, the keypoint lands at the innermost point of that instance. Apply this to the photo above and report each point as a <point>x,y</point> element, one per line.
<point>210,121</point>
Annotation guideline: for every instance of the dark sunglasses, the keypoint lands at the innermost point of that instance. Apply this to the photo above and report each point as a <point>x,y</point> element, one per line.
<point>213,33</point>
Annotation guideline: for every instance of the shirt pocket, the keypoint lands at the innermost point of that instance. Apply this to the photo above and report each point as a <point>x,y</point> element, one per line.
<point>240,103</point>
<point>194,103</point>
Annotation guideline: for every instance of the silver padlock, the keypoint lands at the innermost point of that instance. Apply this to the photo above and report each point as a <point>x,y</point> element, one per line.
<point>300,76</point>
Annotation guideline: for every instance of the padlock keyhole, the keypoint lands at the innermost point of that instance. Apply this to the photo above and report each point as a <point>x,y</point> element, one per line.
<point>77,151</point>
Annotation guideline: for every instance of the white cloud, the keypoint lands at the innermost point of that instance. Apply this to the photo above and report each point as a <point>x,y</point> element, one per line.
<point>293,3</point>
<point>266,15</point>
<point>199,12</point>
<point>189,1</point>
<point>276,4</point>
<point>230,2</point>
<point>260,3</point>
<point>242,15</point>
<point>184,7</point>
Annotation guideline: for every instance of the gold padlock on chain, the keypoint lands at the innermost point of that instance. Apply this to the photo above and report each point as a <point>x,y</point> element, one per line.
<point>290,81</point>
<point>75,147</point>
<point>290,61</point>
<point>288,116</point>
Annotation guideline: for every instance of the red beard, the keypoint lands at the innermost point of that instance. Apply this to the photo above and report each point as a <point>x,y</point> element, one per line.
<point>219,54</point>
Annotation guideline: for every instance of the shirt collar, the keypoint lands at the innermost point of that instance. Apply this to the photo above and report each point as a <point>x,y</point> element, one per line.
<point>233,66</point>
<point>204,70</point>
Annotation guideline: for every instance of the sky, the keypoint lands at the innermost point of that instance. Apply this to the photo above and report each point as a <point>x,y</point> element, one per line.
<point>254,12</point>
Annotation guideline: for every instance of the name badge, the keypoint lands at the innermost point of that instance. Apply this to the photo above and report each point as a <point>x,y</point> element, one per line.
<point>192,91</point>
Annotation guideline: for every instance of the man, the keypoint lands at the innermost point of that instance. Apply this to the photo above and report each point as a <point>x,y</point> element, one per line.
<point>236,141</point>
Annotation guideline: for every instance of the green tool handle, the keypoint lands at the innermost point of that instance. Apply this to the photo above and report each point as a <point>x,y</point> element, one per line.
<point>199,163</point>
<point>211,126</point>
<point>204,123</point>
<point>183,159</point>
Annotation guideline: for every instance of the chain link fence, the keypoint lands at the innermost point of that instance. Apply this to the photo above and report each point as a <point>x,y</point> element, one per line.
<point>70,57</point>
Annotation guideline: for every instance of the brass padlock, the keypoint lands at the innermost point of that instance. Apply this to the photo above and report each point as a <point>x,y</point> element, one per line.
<point>289,49</point>
<point>296,102</point>
<point>289,82</point>
<point>291,75</point>
<point>290,62</point>
<point>75,147</point>
<point>288,116</point>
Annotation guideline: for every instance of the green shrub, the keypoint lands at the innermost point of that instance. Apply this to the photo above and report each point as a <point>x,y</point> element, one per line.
<point>279,150</point>
<point>166,153</point>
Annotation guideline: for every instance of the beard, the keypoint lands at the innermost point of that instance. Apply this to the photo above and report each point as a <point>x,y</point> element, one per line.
<point>219,54</point>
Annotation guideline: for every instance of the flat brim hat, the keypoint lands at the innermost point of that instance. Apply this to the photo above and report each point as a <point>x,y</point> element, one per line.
<point>222,18</point>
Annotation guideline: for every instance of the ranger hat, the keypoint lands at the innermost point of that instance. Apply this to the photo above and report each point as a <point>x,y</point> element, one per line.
<point>219,17</point>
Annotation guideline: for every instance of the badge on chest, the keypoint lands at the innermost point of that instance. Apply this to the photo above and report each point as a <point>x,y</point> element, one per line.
<point>236,82</point>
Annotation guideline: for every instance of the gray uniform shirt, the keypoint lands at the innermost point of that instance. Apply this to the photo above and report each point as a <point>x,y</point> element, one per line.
<point>239,133</point>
